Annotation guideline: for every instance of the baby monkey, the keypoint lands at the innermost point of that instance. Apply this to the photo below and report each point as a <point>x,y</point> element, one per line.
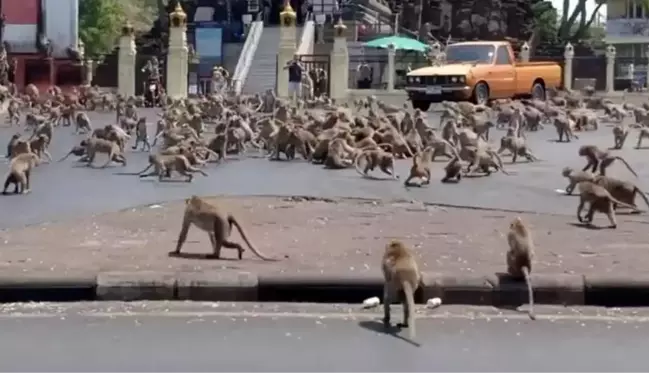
<point>400,273</point>
<point>520,256</point>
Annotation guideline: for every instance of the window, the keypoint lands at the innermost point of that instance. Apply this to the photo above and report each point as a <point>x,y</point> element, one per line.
<point>502,58</point>
<point>478,53</point>
<point>634,9</point>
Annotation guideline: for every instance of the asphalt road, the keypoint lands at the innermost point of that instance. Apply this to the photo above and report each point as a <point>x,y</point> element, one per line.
<point>251,337</point>
<point>63,190</point>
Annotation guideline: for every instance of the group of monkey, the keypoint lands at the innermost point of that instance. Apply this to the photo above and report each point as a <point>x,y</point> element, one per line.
<point>368,135</point>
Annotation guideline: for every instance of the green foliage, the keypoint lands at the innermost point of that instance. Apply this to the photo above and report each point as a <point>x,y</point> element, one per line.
<point>546,20</point>
<point>100,22</point>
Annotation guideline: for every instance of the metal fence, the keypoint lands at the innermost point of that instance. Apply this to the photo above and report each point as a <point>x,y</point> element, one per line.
<point>106,73</point>
<point>630,72</point>
<point>314,65</point>
<point>591,68</point>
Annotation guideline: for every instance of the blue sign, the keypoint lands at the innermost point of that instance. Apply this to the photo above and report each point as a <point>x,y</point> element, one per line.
<point>209,42</point>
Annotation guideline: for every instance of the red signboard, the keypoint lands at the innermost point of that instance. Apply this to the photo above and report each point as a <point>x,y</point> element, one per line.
<point>21,12</point>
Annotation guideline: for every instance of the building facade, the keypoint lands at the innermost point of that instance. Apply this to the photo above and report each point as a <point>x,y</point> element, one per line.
<point>627,29</point>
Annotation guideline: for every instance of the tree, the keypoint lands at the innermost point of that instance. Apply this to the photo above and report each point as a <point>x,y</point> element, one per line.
<point>100,22</point>
<point>546,21</point>
<point>570,29</point>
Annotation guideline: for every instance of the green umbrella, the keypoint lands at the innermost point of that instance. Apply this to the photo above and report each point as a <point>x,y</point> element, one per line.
<point>399,42</point>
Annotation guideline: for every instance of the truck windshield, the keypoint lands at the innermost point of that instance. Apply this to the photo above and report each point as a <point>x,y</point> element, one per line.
<point>470,53</point>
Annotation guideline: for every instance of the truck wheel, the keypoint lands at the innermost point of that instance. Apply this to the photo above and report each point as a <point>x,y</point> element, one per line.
<point>538,92</point>
<point>421,105</point>
<point>481,94</point>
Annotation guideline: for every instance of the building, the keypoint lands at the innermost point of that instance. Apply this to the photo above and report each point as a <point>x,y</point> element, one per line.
<point>627,29</point>
<point>26,24</point>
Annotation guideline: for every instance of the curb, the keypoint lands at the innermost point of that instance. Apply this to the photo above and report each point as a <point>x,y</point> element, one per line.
<point>497,289</point>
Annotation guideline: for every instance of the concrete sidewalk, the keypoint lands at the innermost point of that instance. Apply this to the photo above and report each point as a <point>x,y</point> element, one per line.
<point>329,251</point>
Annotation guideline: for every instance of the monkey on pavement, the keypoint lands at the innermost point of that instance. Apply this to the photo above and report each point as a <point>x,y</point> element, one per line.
<point>420,167</point>
<point>217,223</point>
<point>375,157</point>
<point>400,273</point>
<point>164,164</point>
<point>599,200</point>
<point>96,145</point>
<point>624,191</point>
<point>19,172</point>
<point>520,256</point>
<point>575,177</point>
<point>597,157</point>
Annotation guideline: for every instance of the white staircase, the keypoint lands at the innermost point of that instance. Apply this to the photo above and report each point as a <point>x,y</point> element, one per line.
<point>263,69</point>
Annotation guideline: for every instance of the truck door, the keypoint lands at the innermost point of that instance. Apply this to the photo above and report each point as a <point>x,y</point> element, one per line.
<point>502,77</point>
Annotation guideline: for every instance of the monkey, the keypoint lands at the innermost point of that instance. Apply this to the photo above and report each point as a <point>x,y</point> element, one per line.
<point>453,170</point>
<point>20,146</point>
<point>19,173</point>
<point>516,145</point>
<point>82,122</point>
<point>217,223</point>
<point>575,177</point>
<point>77,150</point>
<point>621,190</point>
<point>141,135</point>
<point>620,133</point>
<point>39,147</point>
<point>600,200</point>
<point>564,126</point>
<point>642,134</point>
<point>95,145</point>
<point>400,273</point>
<point>420,167</point>
<point>484,159</point>
<point>164,164</point>
<point>597,157</point>
<point>375,157</point>
<point>13,111</point>
<point>12,143</point>
<point>337,155</point>
<point>520,256</point>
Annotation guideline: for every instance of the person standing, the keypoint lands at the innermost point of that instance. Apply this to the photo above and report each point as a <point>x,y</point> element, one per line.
<point>295,70</point>
<point>363,76</point>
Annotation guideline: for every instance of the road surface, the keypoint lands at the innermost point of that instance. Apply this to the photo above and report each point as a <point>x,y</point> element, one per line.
<point>64,190</point>
<point>262,337</point>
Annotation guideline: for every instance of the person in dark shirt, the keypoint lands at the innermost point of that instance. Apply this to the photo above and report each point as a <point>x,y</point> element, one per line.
<point>295,70</point>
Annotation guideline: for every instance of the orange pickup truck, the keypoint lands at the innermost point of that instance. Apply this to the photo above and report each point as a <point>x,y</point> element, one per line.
<point>480,71</point>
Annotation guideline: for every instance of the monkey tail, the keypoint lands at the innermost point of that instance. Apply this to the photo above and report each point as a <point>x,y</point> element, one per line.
<point>643,194</point>
<point>64,158</point>
<point>623,204</point>
<point>233,221</point>
<point>409,293</point>
<point>357,163</point>
<point>145,169</point>
<point>530,293</point>
<point>627,165</point>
